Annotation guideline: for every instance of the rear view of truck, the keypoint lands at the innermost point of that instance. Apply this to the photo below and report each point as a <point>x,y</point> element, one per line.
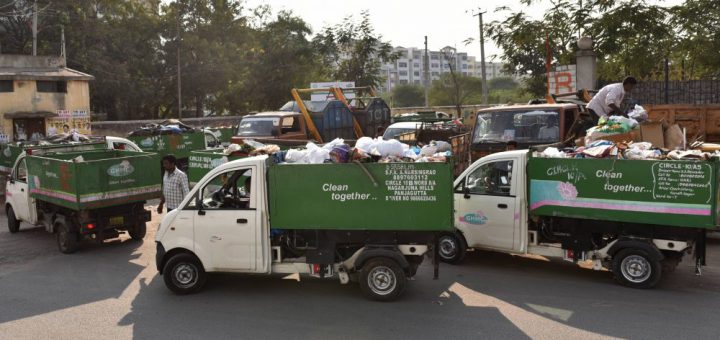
<point>84,195</point>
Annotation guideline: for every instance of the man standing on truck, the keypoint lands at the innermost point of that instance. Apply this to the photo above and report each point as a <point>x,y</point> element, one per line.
<point>607,102</point>
<point>175,185</point>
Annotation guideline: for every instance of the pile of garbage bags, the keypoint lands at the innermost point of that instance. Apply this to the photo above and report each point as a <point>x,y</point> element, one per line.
<point>632,150</point>
<point>168,127</point>
<point>366,150</point>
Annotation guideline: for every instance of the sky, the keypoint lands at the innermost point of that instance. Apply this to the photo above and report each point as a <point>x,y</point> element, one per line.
<point>406,22</point>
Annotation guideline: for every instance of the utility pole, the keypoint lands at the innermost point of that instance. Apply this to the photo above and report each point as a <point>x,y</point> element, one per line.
<point>479,14</point>
<point>179,83</point>
<point>426,73</point>
<point>34,27</point>
<point>63,54</point>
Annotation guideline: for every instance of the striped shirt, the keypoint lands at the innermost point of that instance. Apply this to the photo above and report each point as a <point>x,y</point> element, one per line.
<point>175,187</point>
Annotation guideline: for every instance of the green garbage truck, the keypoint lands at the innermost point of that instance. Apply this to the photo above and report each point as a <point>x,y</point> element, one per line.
<point>636,218</point>
<point>369,223</point>
<point>179,145</point>
<point>88,194</point>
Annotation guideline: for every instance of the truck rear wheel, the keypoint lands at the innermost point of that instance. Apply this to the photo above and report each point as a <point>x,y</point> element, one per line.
<point>138,231</point>
<point>382,279</point>
<point>184,274</point>
<point>13,223</point>
<point>67,239</point>
<point>635,268</point>
<point>452,248</point>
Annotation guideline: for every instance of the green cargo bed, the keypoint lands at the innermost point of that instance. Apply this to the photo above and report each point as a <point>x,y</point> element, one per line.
<point>373,196</point>
<point>664,193</point>
<point>179,145</point>
<point>103,178</point>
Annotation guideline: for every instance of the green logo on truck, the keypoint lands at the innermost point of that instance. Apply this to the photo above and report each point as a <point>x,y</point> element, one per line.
<point>121,170</point>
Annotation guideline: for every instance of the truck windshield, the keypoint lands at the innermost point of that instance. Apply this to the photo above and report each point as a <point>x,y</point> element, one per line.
<point>258,126</point>
<point>526,126</point>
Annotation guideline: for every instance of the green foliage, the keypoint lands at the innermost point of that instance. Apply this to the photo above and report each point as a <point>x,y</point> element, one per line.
<point>631,37</point>
<point>408,96</point>
<point>354,50</point>
<point>502,83</point>
<point>444,92</point>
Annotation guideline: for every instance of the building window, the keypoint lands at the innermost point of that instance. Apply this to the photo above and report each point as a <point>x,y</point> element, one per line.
<point>51,86</point>
<point>403,82</point>
<point>6,86</point>
<point>416,65</point>
<point>403,73</point>
<point>435,74</point>
<point>435,65</point>
<point>402,65</point>
<point>434,57</point>
<point>417,74</point>
<point>417,82</point>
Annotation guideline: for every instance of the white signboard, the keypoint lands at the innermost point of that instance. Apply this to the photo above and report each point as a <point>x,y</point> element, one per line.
<point>563,80</point>
<point>325,96</point>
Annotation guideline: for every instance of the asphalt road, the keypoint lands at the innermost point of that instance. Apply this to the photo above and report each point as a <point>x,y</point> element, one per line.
<point>112,291</point>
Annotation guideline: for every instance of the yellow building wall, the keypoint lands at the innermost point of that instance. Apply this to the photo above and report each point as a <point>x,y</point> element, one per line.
<point>25,98</point>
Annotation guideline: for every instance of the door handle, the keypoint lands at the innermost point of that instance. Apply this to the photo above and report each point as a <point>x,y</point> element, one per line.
<point>215,238</point>
<point>23,190</point>
<point>241,221</point>
<point>502,206</point>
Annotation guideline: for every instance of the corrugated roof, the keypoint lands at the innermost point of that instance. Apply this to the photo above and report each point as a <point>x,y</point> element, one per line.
<point>32,73</point>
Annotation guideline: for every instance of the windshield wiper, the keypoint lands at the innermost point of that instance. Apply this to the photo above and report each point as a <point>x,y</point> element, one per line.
<point>488,140</point>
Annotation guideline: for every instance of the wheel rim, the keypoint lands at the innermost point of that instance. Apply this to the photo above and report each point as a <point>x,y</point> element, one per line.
<point>636,268</point>
<point>448,247</point>
<point>185,275</point>
<point>382,280</point>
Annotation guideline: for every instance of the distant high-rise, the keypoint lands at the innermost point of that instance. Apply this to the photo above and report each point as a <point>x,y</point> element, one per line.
<point>408,69</point>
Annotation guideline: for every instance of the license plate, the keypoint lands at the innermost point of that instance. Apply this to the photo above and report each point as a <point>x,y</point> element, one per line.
<point>117,221</point>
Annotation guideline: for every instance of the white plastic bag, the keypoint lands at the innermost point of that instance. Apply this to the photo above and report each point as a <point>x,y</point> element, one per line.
<point>428,150</point>
<point>365,144</point>
<point>387,148</point>
<point>638,113</point>
<point>337,141</point>
<point>296,156</point>
<point>442,146</point>
<point>553,153</point>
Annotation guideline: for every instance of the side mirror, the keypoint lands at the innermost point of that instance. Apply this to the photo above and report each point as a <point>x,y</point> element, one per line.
<point>466,193</point>
<point>275,133</point>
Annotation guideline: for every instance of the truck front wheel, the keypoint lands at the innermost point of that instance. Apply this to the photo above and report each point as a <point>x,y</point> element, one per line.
<point>452,248</point>
<point>382,279</point>
<point>184,274</point>
<point>67,239</point>
<point>635,268</point>
<point>13,223</point>
<point>138,231</point>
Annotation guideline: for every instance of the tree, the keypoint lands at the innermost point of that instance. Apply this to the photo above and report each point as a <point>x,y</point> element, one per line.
<point>502,83</point>
<point>453,88</point>
<point>698,24</point>
<point>354,50</point>
<point>285,58</point>
<point>463,90</point>
<point>408,96</point>
<point>631,37</point>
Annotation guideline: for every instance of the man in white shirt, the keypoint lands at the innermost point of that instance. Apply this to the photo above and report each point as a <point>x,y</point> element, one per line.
<point>551,131</point>
<point>607,102</point>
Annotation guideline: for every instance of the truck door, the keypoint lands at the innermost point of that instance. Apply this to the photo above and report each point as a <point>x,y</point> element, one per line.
<point>17,191</point>
<point>227,224</point>
<point>485,205</point>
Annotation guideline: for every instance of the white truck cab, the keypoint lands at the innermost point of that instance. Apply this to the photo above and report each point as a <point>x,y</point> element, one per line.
<point>223,225</point>
<point>491,213</point>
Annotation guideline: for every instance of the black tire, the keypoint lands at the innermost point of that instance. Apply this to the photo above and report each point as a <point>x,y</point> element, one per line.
<point>635,268</point>
<point>13,223</point>
<point>138,231</point>
<point>382,279</point>
<point>184,274</point>
<point>67,239</point>
<point>452,248</point>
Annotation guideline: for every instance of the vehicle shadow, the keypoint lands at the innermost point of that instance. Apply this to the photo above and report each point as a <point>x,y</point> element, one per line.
<point>36,279</point>
<point>247,306</point>
<point>575,299</point>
